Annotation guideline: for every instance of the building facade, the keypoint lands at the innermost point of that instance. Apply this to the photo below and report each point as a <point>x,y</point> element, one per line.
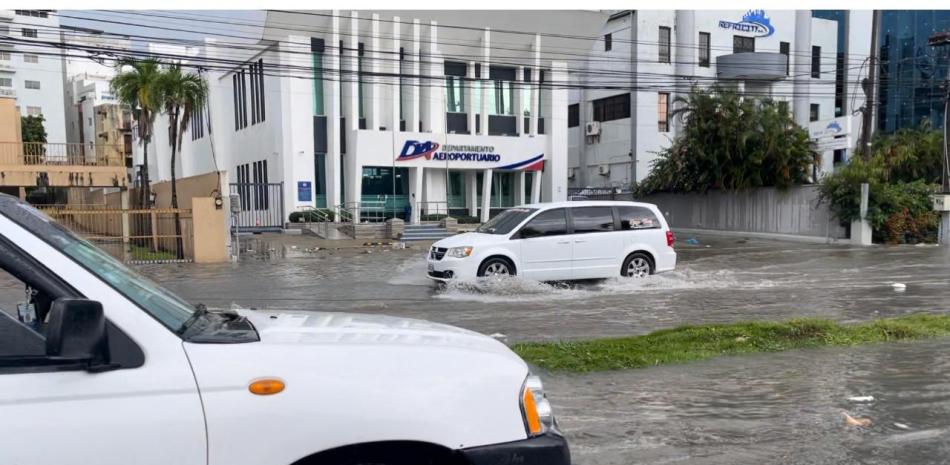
<point>392,112</point>
<point>30,73</point>
<point>652,57</point>
<point>911,71</point>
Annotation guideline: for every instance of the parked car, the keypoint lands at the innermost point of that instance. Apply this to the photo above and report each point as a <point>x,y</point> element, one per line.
<point>560,241</point>
<point>99,365</point>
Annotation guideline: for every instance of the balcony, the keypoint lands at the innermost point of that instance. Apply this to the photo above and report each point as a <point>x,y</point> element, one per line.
<point>50,164</point>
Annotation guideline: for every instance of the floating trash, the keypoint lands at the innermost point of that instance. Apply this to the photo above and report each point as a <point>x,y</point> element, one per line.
<point>851,421</point>
<point>861,398</point>
<point>899,287</point>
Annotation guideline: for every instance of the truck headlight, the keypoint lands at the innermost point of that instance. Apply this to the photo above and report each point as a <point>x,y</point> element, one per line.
<point>538,416</point>
<point>459,252</point>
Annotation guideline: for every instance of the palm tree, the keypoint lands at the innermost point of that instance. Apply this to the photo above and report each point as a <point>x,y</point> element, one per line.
<point>180,94</point>
<point>136,87</point>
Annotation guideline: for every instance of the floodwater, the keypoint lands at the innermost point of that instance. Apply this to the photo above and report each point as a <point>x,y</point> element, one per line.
<point>767,408</point>
<point>731,279</point>
<point>756,409</point>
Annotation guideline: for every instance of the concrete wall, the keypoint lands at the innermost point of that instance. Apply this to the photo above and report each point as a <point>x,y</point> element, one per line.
<point>194,186</point>
<point>10,130</point>
<point>766,210</point>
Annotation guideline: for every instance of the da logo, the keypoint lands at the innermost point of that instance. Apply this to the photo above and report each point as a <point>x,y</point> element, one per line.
<point>415,149</point>
<point>834,127</point>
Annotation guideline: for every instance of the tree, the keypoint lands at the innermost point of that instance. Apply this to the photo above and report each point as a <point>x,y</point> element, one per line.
<point>32,130</point>
<point>731,142</point>
<point>180,94</point>
<point>135,86</point>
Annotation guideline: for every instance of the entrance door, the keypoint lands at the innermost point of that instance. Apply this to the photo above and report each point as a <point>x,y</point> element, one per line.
<point>546,247</point>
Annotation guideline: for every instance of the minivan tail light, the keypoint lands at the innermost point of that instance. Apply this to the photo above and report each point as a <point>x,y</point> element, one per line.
<point>670,238</point>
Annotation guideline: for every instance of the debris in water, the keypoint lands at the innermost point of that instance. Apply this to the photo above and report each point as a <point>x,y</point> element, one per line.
<point>497,336</point>
<point>851,421</point>
<point>692,241</point>
<point>861,398</point>
<point>293,247</point>
<point>901,425</point>
<point>899,287</point>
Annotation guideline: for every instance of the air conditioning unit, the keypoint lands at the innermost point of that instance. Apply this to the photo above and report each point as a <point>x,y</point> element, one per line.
<point>592,128</point>
<point>603,170</point>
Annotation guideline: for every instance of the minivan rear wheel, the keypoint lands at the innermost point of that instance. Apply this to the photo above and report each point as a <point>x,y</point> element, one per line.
<point>637,265</point>
<point>496,266</point>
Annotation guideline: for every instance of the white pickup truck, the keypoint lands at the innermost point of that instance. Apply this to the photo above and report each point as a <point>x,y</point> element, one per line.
<point>99,365</point>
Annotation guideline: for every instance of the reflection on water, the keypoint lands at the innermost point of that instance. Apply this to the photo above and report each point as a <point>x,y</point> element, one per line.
<point>774,408</point>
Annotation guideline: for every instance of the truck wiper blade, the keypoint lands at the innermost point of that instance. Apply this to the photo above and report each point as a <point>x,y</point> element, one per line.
<point>201,311</point>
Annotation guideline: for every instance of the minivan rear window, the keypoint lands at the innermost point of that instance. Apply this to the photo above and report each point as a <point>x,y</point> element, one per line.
<point>506,221</point>
<point>637,218</point>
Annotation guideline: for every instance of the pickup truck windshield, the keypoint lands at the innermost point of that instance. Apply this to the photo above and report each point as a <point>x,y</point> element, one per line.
<point>165,306</point>
<point>506,221</point>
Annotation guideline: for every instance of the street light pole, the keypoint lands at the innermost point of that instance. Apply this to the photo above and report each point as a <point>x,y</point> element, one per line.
<point>937,41</point>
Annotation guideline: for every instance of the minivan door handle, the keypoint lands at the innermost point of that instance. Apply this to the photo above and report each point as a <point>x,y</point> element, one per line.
<point>579,242</point>
<point>563,242</point>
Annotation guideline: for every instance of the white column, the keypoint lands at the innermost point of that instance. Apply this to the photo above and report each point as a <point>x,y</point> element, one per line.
<point>415,192</point>
<point>486,194</point>
<point>412,123</point>
<point>535,85</point>
<point>435,84</point>
<point>555,164</point>
<point>471,192</point>
<point>485,82</point>
<point>801,67</point>
<point>353,113</point>
<point>396,91</point>
<point>519,187</point>
<point>516,102</point>
<point>470,109</point>
<point>535,186</point>
<point>375,88</point>
<point>331,92</point>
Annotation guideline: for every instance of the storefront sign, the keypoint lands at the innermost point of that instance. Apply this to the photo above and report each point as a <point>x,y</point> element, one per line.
<point>466,155</point>
<point>839,126</point>
<point>304,191</point>
<point>754,22</point>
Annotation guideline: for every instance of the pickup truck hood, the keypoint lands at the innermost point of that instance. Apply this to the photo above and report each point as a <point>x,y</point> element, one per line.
<point>301,327</point>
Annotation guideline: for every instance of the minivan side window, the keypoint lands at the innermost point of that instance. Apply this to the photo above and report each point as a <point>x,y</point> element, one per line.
<point>637,218</point>
<point>592,219</point>
<point>547,223</point>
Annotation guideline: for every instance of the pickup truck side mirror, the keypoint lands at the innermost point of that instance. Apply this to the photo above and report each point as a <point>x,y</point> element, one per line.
<point>77,332</point>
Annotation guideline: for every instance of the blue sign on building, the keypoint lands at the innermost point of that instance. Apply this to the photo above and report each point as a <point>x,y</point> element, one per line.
<point>304,191</point>
<point>753,22</point>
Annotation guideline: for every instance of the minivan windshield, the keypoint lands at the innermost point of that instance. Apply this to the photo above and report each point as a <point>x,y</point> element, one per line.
<point>162,304</point>
<point>506,221</point>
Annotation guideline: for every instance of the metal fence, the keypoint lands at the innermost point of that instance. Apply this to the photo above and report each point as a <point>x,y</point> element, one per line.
<point>134,236</point>
<point>262,206</point>
<point>42,153</point>
<point>597,193</point>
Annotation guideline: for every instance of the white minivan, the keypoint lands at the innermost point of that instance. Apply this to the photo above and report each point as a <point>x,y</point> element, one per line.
<point>558,242</point>
<point>99,365</point>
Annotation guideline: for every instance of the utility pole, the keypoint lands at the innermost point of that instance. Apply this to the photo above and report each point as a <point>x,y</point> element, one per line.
<point>869,85</point>
<point>939,41</point>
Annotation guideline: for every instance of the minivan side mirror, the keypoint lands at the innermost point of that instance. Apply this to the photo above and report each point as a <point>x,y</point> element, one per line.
<point>77,332</point>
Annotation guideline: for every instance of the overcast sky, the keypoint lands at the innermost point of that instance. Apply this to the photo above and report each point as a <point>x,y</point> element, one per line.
<point>198,24</point>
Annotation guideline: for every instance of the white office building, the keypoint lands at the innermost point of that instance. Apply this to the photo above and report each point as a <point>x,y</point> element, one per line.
<point>33,74</point>
<point>463,111</point>
<point>651,57</point>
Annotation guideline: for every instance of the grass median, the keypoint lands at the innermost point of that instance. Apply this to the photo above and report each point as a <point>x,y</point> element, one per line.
<point>691,343</point>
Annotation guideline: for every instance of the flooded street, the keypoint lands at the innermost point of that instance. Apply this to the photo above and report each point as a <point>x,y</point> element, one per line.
<point>770,408</point>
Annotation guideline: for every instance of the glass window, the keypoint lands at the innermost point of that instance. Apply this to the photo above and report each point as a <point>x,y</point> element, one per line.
<point>31,59</point>
<point>612,108</point>
<point>592,219</point>
<point>547,223</point>
<point>6,82</point>
<point>608,42</point>
<point>742,44</point>
<point>704,49</point>
<point>664,47</point>
<point>815,61</point>
<point>34,111</point>
<point>637,218</point>
<point>500,97</point>
<point>4,56</point>
<point>506,221</point>
<point>783,48</point>
<point>454,94</point>
<point>663,111</point>
<point>813,112</point>
<point>32,84</point>
<point>318,109</point>
<point>28,32</point>
<point>573,115</point>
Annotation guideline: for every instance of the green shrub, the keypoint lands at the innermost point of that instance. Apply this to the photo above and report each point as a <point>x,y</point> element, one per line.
<point>309,216</point>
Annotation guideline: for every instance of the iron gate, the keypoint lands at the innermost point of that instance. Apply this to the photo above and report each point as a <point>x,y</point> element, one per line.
<point>262,206</point>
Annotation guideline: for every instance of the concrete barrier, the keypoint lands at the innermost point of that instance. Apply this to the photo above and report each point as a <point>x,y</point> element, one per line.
<point>794,212</point>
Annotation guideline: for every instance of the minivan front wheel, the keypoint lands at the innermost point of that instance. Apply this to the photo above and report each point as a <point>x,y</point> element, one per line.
<point>496,266</point>
<point>637,265</point>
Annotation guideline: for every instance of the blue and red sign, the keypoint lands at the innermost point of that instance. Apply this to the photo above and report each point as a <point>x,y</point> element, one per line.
<point>415,149</point>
